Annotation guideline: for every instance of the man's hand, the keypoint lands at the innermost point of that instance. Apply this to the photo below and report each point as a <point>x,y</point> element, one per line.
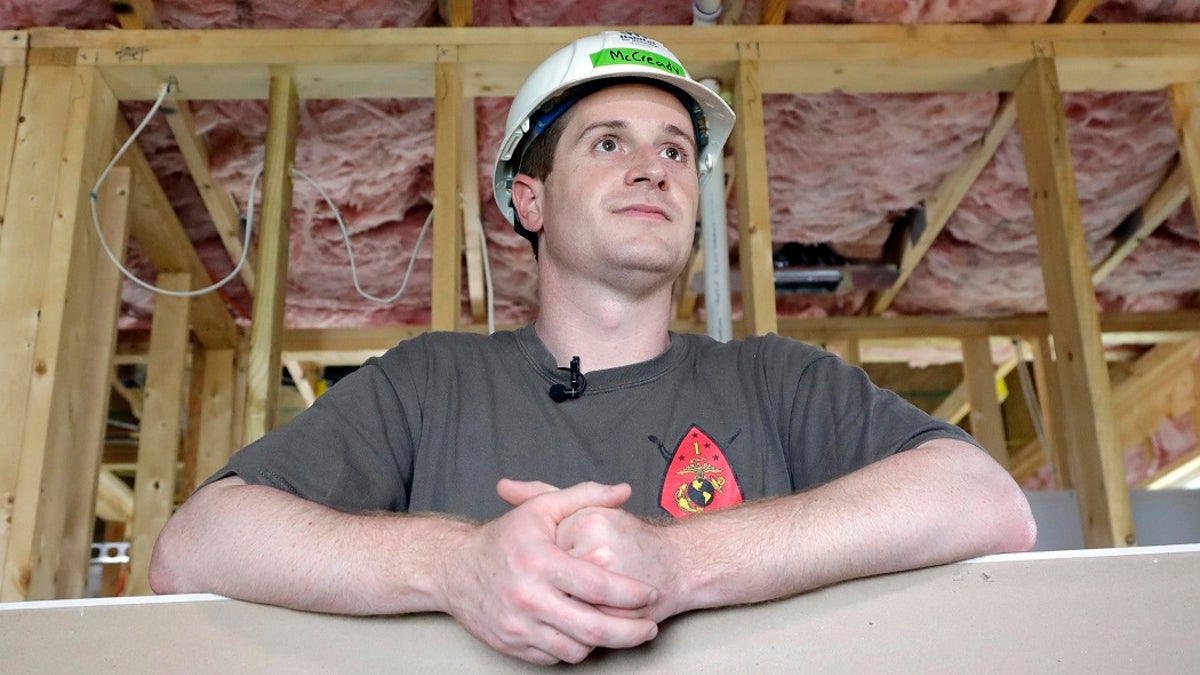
<point>613,539</point>
<point>513,587</point>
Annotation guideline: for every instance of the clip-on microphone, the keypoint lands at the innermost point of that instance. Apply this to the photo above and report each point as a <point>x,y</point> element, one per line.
<point>559,392</point>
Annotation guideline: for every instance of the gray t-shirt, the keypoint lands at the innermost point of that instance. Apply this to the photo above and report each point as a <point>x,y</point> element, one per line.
<point>431,426</point>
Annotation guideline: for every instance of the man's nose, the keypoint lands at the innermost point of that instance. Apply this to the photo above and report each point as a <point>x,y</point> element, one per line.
<point>646,166</point>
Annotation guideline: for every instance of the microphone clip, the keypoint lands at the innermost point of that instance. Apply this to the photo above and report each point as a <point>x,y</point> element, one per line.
<point>559,393</point>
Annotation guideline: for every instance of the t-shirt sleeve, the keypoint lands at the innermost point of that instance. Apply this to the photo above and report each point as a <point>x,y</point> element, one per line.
<point>839,421</point>
<point>352,450</point>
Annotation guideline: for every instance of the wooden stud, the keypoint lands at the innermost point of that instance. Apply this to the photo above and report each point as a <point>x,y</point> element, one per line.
<point>216,412</point>
<point>114,499</point>
<point>82,473</point>
<point>987,425</point>
<point>1073,11</point>
<point>957,404</point>
<point>472,222</point>
<point>158,447</point>
<point>1185,108</point>
<point>1074,322</point>
<point>447,231</point>
<point>456,13</point>
<point>185,482</point>
<point>133,397</point>
<point>300,377</point>
<point>262,389</point>
<point>12,85</point>
<point>774,12</point>
<point>1050,402</point>
<point>1162,204</point>
<point>753,197</point>
<point>111,575</point>
<point>51,389</point>
<point>136,14</point>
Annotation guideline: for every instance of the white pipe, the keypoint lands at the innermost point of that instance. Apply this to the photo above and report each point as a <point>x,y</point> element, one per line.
<point>715,240</point>
<point>705,12</point>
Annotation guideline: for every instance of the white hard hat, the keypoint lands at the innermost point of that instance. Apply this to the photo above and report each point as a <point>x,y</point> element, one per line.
<point>608,55</point>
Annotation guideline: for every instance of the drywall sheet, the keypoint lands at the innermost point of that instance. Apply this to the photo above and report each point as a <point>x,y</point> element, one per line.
<point>1092,612</point>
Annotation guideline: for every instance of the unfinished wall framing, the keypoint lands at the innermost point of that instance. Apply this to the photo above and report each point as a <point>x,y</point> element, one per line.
<point>60,130</point>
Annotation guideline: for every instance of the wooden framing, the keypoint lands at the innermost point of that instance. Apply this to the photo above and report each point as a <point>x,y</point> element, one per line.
<point>1185,108</point>
<point>158,448</point>
<point>447,224</point>
<point>1162,204</point>
<point>50,385</point>
<point>1074,321</point>
<point>986,424</point>
<point>1051,405</point>
<point>216,442</point>
<point>12,85</point>
<point>262,387</point>
<point>753,199</point>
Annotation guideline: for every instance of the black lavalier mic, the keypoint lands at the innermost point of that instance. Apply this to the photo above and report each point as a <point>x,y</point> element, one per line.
<point>560,392</point>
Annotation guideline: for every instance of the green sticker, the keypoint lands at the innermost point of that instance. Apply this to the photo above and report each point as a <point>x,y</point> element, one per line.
<point>637,57</point>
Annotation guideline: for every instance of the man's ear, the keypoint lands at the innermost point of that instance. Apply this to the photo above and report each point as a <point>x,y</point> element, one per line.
<point>527,194</point>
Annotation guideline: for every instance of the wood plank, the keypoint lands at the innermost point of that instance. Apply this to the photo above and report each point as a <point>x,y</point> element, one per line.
<point>91,410</point>
<point>212,190</point>
<point>774,12</point>
<point>185,481</point>
<point>262,388</point>
<point>158,448</point>
<point>447,231</point>
<point>133,397</point>
<point>1185,108</point>
<point>300,377</point>
<point>867,58</point>
<point>1073,11</point>
<point>114,499</point>
<point>57,388</point>
<point>216,412</point>
<point>456,13</point>
<point>944,200</point>
<point>753,197</point>
<point>472,222</point>
<point>1050,403</point>
<point>136,14</point>
<point>987,425</point>
<point>1074,322</point>
<point>12,86</point>
<point>957,404</point>
<point>160,236</point>
<point>1162,204</point>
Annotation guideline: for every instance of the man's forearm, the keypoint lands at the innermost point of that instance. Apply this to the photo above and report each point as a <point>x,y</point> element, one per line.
<point>936,504</point>
<point>261,544</point>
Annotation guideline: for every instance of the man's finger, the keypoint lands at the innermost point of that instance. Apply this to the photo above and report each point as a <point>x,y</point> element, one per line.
<point>517,492</point>
<point>597,586</point>
<point>585,624</point>
<point>559,504</point>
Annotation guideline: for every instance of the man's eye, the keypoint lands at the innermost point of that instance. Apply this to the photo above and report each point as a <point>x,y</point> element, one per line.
<point>673,153</point>
<point>606,145</point>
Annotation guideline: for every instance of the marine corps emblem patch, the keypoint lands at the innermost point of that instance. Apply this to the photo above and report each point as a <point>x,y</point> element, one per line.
<point>698,477</point>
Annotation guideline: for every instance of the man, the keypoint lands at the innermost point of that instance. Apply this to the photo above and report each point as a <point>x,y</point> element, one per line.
<point>654,475</point>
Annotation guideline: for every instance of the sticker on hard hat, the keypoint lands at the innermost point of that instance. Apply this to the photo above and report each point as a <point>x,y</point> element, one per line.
<point>623,56</point>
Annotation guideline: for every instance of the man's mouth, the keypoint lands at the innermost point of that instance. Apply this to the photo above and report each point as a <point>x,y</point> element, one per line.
<point>644,211</point>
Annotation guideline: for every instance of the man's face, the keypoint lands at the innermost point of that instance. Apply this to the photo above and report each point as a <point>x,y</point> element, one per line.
<point>620,204</point>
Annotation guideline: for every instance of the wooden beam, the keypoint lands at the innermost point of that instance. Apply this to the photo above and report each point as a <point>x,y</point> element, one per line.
<point>49,387</point>
<point>1073,11</point>
<point>133,397</point>
<point>216,443</point>
<point>1162,204</point>
<point>300,378</point>
<point>455,13</point>
<point>1074,321</point>
<point>212,190</point>
<point>472,222</point>
<point>83,468</point>
<point>753,198</point>
<point>957,404</point>
<point>774,12</point>
<point>944,200</point>
<point>1051,403</point>
<point>12,85</point>
<point>136,14</point>
<point>262,390</point>
<point>447,229</point>
<point>987,425</point>
<point>1185,108</point>
<point>114,499</point>
<point>160,236</point>
<point>158,447</point>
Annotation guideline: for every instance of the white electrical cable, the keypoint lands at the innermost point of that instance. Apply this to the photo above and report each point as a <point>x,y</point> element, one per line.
<point>346,237</point>
<point>162,95</point>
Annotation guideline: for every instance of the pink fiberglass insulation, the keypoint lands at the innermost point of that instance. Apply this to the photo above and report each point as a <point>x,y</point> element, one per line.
<point>77,14</point>
<point>295,13</point>
<point>917,11</point>
<point>1126,11</point>
<point>1173,439</point>
<point>986,263</point>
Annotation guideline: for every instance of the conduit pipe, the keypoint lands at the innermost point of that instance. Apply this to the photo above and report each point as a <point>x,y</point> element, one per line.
<point>714,235</point>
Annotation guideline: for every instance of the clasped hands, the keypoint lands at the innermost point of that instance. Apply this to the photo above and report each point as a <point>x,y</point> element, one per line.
<point>565,571</point>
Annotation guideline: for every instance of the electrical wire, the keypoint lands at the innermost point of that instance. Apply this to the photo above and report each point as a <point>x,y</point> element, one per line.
<point>162,95</point>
